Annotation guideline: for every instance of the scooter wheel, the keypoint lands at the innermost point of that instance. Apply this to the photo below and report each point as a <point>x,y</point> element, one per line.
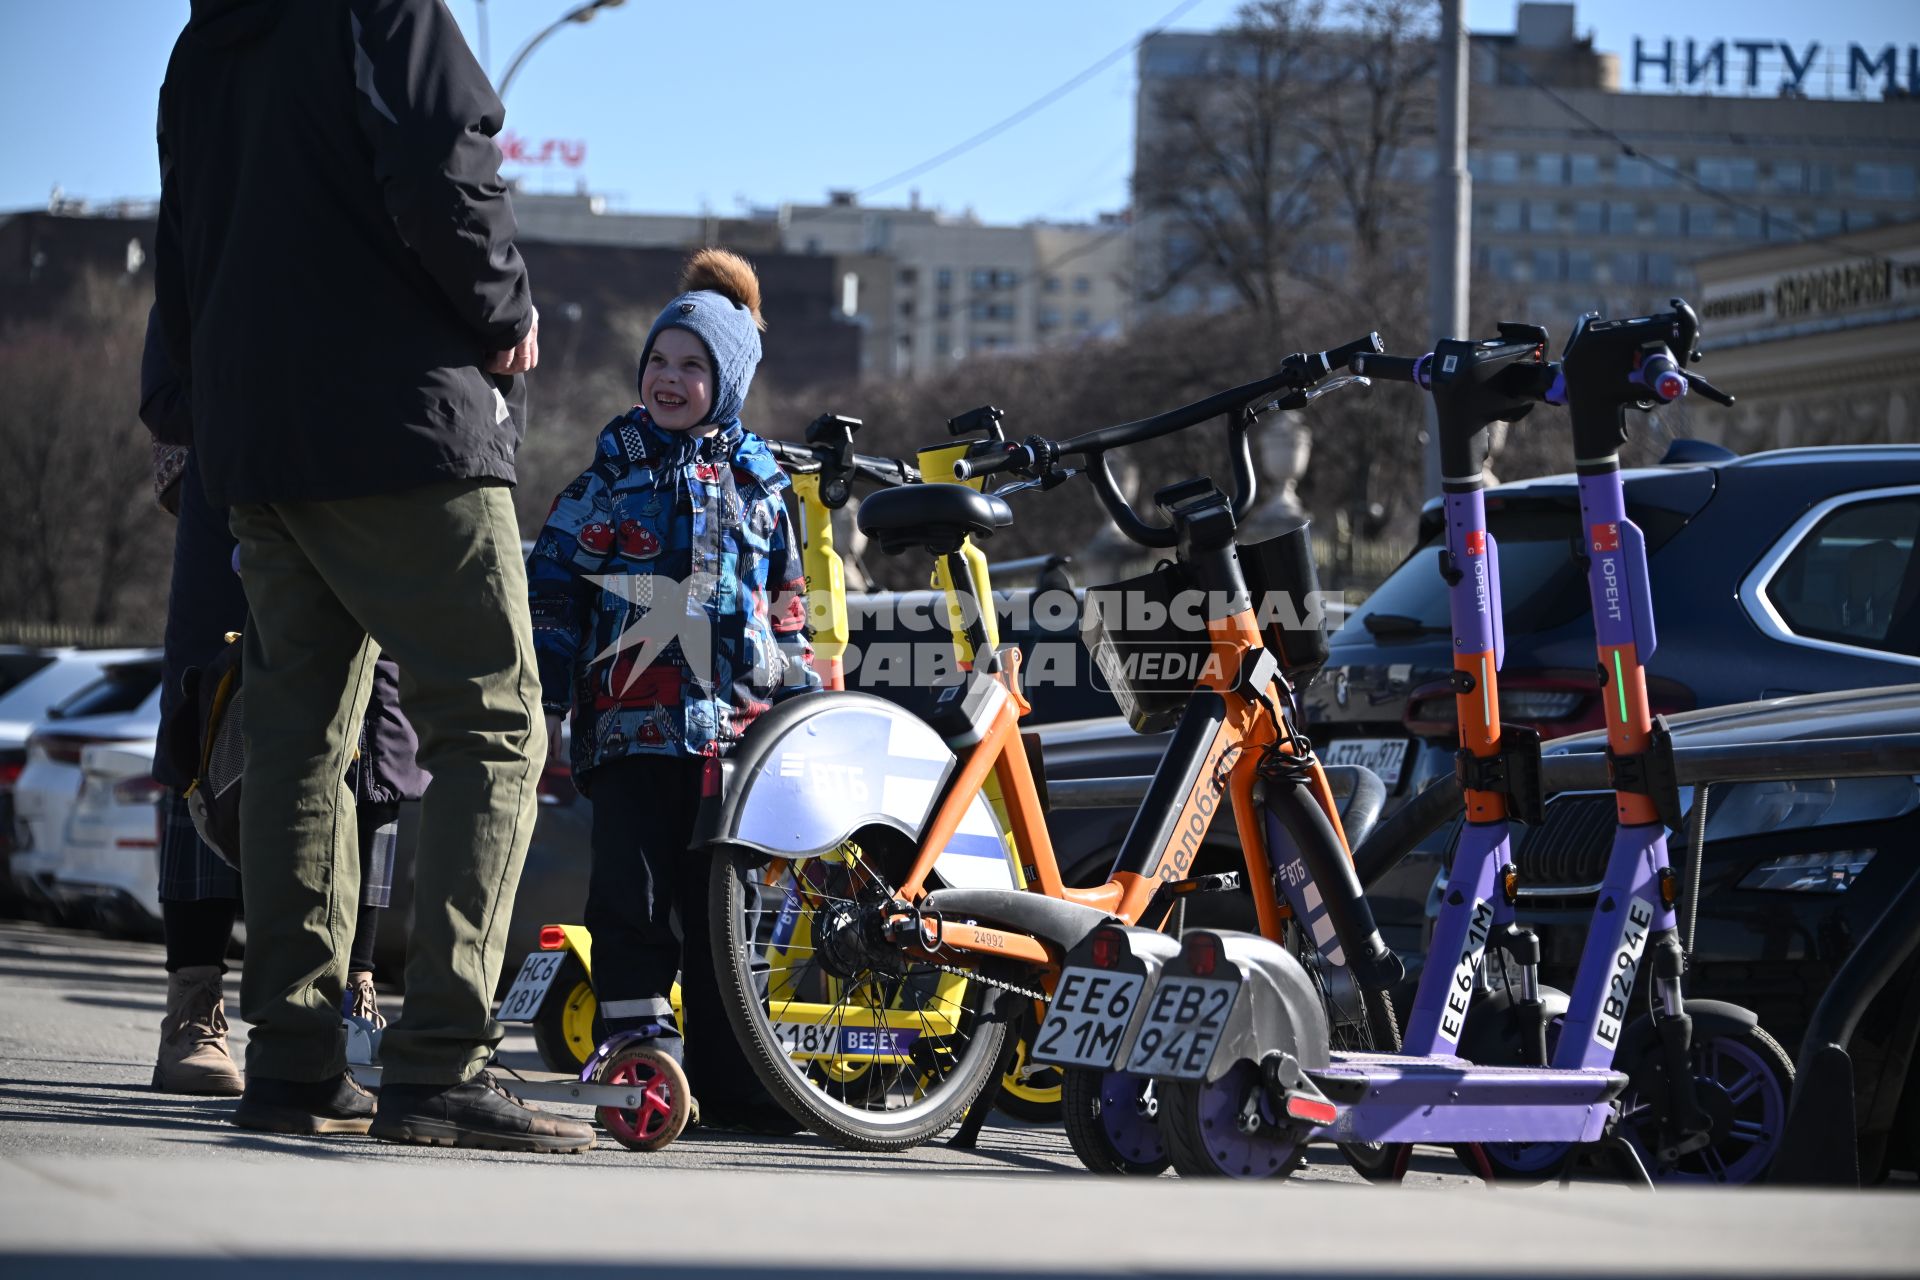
<point>666,1102</point>
<point>1112,1122</point>
<point>1208,1135</point>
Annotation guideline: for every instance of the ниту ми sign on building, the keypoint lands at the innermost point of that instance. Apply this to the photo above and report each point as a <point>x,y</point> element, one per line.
<point>1860,70</point>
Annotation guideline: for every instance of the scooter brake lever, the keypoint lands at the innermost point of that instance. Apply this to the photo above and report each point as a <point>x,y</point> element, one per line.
<point>1706,388</point>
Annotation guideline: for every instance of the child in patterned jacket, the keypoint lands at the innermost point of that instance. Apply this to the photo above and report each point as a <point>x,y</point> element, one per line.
<point>668,612</point>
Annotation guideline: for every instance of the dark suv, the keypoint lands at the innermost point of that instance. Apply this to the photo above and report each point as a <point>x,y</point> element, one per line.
<point>1779,573</point>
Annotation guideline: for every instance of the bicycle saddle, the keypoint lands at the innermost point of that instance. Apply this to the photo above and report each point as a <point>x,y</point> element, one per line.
<point>934,516</point>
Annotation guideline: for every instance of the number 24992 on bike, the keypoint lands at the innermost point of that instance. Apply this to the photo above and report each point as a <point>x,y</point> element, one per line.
<point>1088,1018</point>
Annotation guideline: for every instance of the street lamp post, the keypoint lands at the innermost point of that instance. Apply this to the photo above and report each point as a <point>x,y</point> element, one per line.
<point>579,13</point>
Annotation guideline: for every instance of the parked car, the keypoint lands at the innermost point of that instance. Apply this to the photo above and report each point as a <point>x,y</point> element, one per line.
<point>31,682</point>
<point>1793,873</point>
<point>108,874</point>
<point>120,707</point>
<point>1774,574</point>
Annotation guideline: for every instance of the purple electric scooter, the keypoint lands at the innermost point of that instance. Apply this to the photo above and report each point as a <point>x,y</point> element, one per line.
<point>1630,1088</point>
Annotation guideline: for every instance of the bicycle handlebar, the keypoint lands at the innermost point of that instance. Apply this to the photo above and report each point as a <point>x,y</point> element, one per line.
<point>1414,369</point>
<point>881,471</point>
<point>1037,454</point>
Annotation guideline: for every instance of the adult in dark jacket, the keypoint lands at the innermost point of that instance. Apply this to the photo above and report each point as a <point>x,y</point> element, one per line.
<point>199,890</point>
<point>335,267</point>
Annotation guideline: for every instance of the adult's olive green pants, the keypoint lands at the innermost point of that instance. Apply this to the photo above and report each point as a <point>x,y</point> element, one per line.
<point>434,577</point>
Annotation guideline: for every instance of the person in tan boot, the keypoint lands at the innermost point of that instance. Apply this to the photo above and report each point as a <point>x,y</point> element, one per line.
<point>194,1057</point>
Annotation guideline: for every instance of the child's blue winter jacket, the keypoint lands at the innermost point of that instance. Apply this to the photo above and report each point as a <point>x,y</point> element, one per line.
<point>668,599</point>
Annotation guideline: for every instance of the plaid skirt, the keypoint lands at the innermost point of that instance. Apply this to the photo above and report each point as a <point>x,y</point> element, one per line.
<point>192,872</point>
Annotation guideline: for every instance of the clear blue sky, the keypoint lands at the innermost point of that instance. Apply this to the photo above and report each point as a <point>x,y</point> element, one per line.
<point>789,97</point>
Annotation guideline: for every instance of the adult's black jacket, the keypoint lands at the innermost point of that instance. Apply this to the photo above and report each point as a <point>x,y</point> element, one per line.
<point>335,258</point>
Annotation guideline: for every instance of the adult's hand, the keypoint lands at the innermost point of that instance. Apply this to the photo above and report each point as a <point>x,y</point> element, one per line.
<point>521,358</point>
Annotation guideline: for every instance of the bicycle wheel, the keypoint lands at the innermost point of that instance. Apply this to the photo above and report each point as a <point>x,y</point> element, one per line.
<point>1029,1091</point>
<point>1226,1129</point>
<point>1379,1032</point>
<point>1111,1121</point>
<point>568,1028</point>
<point>804,985</point>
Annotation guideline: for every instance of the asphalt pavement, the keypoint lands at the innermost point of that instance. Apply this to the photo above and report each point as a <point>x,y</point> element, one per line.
<point>98,1171</point>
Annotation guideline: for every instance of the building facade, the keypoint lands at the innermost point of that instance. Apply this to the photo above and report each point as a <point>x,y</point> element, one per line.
<point>1587,195</point>
<point>925,289</point>
<point>1818,340</point>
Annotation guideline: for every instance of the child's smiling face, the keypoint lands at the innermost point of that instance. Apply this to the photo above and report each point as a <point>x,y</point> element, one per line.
<point>677,384</point>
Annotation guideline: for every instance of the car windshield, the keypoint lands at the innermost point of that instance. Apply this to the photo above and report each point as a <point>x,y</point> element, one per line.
<point>118,690</point>
<point>1541,583</point>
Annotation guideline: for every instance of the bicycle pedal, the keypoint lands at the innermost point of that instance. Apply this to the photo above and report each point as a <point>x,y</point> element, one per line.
<point>1221,882</point>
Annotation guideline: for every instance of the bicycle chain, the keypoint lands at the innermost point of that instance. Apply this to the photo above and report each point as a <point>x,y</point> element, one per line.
<point>975,975</point>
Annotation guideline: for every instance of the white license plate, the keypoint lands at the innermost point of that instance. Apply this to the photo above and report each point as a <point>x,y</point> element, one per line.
<point>832,1040</point>
<point>1385,756</point>
<point>529,988</point>
<point>1185,1020</point>
<point>1088,1018</point>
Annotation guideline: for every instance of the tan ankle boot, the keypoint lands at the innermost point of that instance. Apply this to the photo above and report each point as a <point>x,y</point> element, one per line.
<point>194,1057</point>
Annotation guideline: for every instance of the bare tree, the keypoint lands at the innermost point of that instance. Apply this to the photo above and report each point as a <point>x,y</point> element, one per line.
<point>82,543</point>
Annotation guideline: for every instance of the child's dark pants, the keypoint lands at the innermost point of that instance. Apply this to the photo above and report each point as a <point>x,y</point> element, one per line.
<point>644,873</point>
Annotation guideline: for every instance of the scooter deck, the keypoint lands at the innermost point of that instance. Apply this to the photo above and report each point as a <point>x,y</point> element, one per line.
<point>1393,1098</point>
<point>549,1089</point>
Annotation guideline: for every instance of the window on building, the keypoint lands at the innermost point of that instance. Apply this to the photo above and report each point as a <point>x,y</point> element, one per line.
<point>943,278</point>
<point>1499,262</point>
<point>1550,169</point>
<point>942,309</point>
<point>1782,224</point>
<point>1623,219</point>
<point>1843,582</point>
<point>1703,221</point>
<point>1546,266</point>
<point>1862,219</point>
<point>1006,279</point>
<point>943,343</point>
<point>908,277</point>
<point>1827,222</point>
<point>1503,167</point>
<point>1051,284</point>
<point>1661,170</point>
<point>1083,318</point>
<point>1083,284</point>
<point>980,279</point>
<point>1048,318</point>
<point>1787,175</point>
<point>1670,220</point>
<point>906,308</point>
<point>1583,170</point>
<point>1748,224</point>
<point>1728,173</point>
<point>1660,268</point>
<point>1580,266</point>
<point>1632,171</point>
<point>1623,268</point>
<point>1589,217</point>
<point>1510,215</point>
<point>1884,181</point>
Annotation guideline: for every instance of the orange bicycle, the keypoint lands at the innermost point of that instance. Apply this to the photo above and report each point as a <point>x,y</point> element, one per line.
<point>851,920</point>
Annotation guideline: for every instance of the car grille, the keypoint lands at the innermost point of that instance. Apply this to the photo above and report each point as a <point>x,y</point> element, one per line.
<point>1569,849</point>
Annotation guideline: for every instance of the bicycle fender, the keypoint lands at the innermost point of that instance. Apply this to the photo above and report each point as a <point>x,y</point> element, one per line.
<point>1278,1010</point>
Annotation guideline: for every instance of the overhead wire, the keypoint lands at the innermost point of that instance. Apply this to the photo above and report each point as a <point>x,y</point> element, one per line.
<point>1031,109</point>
